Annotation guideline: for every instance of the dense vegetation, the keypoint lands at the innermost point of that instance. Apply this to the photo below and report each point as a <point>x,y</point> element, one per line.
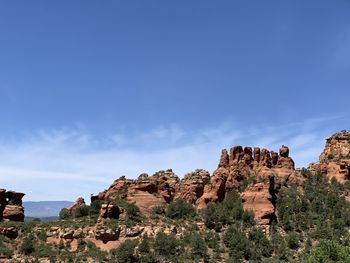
<point>312,225</point>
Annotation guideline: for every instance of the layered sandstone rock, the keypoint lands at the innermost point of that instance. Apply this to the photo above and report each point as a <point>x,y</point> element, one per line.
<point>146,192</point>
<point>257,198</point>
<point>11,208</point>
<point>334,161</point>
<point>192,185</point>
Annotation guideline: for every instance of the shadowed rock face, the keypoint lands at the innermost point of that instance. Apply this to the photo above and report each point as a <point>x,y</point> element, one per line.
<point>334,161</point>
<point>11,208</point>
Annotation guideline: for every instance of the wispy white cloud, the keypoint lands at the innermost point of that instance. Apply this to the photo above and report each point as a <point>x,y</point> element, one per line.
<point>67,163</point>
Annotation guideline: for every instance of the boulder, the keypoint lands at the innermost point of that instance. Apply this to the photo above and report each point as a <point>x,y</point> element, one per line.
<point>79,202</point>
<point>109,210</point>
<point>13,213</point>
<point>10,232</point>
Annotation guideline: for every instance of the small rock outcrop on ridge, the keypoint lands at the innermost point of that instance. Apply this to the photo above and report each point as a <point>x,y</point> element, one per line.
<point>11,208</point>
<point>334,161</point>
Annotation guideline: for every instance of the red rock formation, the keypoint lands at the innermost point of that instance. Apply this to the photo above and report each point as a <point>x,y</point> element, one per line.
<point>215,190</point>
<point>192,185</point>
<point>146,192</point>
<point>109,210</point>
<point>266,170</point>
<point>334,161</point>
<point>79,202</point>
<point>11,205</point>
<point>257,198</point>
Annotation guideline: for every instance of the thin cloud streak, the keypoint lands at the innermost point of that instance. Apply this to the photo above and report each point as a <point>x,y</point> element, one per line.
<point>74,163</point>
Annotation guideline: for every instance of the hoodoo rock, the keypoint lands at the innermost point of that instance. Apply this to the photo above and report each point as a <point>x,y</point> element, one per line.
<point>11,208</point>
<point>334,161</point>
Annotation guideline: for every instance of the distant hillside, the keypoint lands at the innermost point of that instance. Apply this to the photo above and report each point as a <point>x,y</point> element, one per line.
<point>43,209</point>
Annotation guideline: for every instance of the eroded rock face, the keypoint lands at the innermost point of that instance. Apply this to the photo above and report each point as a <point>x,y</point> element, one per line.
<point>11,208</point>
<point>334,161</point>
<point>257,198</point>
<point>192,185</point>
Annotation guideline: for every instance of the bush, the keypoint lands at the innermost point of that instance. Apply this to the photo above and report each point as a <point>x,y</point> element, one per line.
<point>197,245</point>
<point>180,209</point>
<point>64,213</point>
<point>125,252</point>
<point>259,244</point>
<point>81,211</point>
<point>229,211</point>
<point>329,251</point>
<point>133,214</point>
<point>165,246</point>
<point>4,251</point>
<point>27,247</point>
<point>293,240</point>
<point>237,243</point>
<point>95,207</point>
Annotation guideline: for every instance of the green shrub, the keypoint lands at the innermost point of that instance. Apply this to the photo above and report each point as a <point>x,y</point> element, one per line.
<point>64,213</point>
<point>198,247</point>
<point>133,214</point>
<point>125,253</point>
<point>81,211</point>
<point>180,209</point>
<point>229,211</point>
<point>165,246</point>
<point>259,244</point>
<point>329,251</point>
<point>27,247</point>
<point>237,243</point>
<point>5,252</point>
<point>95,207</point>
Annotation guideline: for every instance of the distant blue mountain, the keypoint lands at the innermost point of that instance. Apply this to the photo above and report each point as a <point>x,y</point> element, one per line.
<point>44,209</point>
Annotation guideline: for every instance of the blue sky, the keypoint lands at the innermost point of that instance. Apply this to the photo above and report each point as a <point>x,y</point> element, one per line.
<point>93,90</point>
